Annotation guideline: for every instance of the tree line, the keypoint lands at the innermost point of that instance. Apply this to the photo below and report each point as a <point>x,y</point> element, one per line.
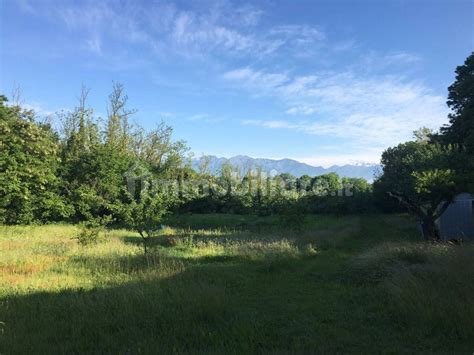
<point>93,169</point>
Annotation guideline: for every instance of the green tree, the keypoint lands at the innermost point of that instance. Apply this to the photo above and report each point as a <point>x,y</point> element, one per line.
<point>147,209</point>
<point>303,184</point>
<point>157,148</point>
<point>461,102</point>
<point>289,180</point>
<point>460,131</point>
<point>28,164</point>
<point>417,174</point>
<point>118,133</point>
<point>327,184</point>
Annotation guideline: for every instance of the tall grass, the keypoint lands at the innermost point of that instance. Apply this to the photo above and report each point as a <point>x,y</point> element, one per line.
<point>436,295</point>
<point>429,287</point>
<point>337,286</point>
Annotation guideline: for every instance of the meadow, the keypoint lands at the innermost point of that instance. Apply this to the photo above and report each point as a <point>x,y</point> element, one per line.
<point>237,284</point>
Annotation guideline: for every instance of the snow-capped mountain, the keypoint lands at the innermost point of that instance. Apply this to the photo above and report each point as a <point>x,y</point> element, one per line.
<point>296,168</point>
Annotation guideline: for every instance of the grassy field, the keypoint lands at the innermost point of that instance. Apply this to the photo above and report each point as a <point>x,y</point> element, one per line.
<point>237,284</point>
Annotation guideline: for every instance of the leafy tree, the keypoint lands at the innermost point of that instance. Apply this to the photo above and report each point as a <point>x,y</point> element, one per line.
<point>92,171</point>
<point>327,184</point>
<point>28,164</point>
<point>157,148</point>
<point>461,102</point>
<point>148,209</point>
<point>94,164</point>
<point>355,185</point>
<point>80,133</point>
<point>303,183</point>
<point>423,134</point>
<point>417,174</point>
<point>289,180</point>
<point>460,132</point>
<point>118,134</point>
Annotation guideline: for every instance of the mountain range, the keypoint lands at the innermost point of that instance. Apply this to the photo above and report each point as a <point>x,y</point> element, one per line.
<point>296,168</point>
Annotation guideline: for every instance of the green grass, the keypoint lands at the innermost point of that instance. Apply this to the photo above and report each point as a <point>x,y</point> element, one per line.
<point>236,284</point>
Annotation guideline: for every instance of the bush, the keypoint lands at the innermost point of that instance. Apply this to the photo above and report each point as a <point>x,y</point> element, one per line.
<point>88,235</point>
<point>93,231</point>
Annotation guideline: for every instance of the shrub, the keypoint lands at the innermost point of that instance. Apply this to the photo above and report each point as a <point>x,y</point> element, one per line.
<point>93,231</point>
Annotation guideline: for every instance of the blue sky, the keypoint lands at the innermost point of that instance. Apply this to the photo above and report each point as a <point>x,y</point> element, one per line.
<point>324,82</point>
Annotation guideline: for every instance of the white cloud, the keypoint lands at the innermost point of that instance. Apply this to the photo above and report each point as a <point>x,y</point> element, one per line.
<point>298,40</point>
<point>166,114</point>
<point>344,46</point>
<point>193,32</point>
<point>198,117</point>
<point>269,123</point>
<point>374,61</point>
<point>94,45</point>
<point>402,57</point>
<point>370,110</point>
<point>301,34</point>
<point>204,117</point>
<point>301,110</point>
<point>258,83</point>
<point>224,27</point>
<point>39,109</point>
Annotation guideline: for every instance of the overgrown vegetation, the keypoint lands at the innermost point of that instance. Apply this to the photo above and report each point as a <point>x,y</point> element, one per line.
<point>341,284</point>
<point>234,263</point>
<point>89,169</point>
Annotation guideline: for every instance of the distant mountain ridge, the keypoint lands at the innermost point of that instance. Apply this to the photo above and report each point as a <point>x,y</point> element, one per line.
<point>296,168</point>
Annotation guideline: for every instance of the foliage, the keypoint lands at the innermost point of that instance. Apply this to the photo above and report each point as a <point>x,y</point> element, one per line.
<point>28,165</point>
<point>93,231</point>
<point>148,210</point>
<point>460,131</point>
<point>424,175</point>
<point>88,235</point>
<point>95,165</point>
<point>89,163</point>
<point>418,175</point>
<point>461,102</point>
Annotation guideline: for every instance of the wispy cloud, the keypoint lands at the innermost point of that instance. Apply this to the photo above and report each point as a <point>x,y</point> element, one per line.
<point>26,6</point>
<point>371,110</point>
<point>222,28</point>
<point>301,110</point>
<point>94,45</point>
<point>344,45</point>
<point>269,123</point>
<point>204,117</point>
<point>39,109</point>
<point>374,61</point>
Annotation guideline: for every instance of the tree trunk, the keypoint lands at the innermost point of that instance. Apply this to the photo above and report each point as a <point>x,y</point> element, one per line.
<point>430,229</point>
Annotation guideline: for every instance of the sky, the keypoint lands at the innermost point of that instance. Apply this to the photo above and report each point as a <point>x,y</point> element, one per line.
<point>322,82</point>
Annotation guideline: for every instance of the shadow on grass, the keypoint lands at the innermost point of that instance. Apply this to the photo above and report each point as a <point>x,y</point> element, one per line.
<point>171,307</point>
<point>180,306</point>
<point>211,304</point>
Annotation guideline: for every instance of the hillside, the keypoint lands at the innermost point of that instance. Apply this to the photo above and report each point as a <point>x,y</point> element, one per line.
<point>296,168</point>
